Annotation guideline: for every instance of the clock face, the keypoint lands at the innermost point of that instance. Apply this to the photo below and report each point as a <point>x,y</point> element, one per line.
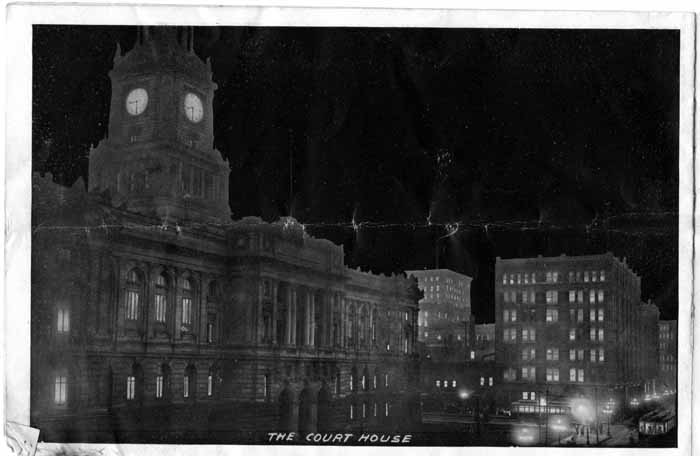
<point>193,107</point>
<point>136,101</point>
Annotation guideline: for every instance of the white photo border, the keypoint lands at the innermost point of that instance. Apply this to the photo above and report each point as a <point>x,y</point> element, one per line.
<point>21,17</point>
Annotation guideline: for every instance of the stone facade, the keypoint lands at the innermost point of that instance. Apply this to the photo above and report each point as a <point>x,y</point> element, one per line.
<point>151,309</point>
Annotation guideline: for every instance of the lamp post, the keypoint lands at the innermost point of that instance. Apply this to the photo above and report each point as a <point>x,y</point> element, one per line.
<point>559,426</point>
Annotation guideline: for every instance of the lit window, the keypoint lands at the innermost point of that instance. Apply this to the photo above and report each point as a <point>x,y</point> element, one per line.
<point>552,315</point>
<point>481,381</point>
<point>585,276</point>
<point>210,385</point>
<point>594,276</point>
<point>592,315</point>
<point>593,357</point>
<point>580,376</point>
<point>444,384</point>
<point>552,354</point>
<point>601,295</point>
<point>580,353</point>
<point>572,296</point>
<point>160,299</point>
<point>386,409</point>
<point>592,333</point>
<point>454,383</point>
<point>437,383</point>
<point>60,389</point>
<point>579,297</point>
<point>572,334</point>
<point>130,387</point>
<point>601,354</point>
<point>362,382</point>
<point>159,386</point>
<point>472,355</point>
<point>525,395</point>
<point>386,380</point>
<point>601,314</point>
<point>490,381</point>
<point>186,386</point>
<point>187,302</point>
<point>63,320</point>
<point>519,279</point>
<point>601,334</point>
<point>591,296</point>
<point>352,411</point>
<point>505,279</point>
<point>552,374</point>
<point>572,375</point>
<point>352,381</point>
<point>132,295</point>
<point>532,395</point>
<point>572,355</point>
<point>364,410</point>
<point>602,276</point>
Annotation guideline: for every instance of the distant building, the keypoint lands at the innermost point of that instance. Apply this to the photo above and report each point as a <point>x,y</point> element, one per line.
<point>484,345</point>
<point>568,326</point>
<point>650,346</point>
<point>445,310</point>
<point>668,348</point>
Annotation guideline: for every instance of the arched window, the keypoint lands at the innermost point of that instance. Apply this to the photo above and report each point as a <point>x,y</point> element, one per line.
<point>189,383</point>
<point>161,300</point>
<point>187,293</point>
<point>133,294</point>
<point>163,382</point>
<point>63,319</point>
<point>134,384</point>
<point>351,325</point>
<point>60,395</point>
<point>212,298</point>
<point>375,316</point>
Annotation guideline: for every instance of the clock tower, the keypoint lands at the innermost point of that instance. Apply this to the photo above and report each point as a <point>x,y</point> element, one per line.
<point>159,158</point>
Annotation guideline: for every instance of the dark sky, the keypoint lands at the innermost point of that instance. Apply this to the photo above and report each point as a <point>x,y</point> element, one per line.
<point>534,141</point>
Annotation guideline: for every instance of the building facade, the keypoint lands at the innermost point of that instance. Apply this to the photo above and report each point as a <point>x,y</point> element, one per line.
<point>650,346</point>
<point>160,314</point>
<point>484,345</point>
<point>445,309</point>
<point>668,360</point>
<point>568,327</point>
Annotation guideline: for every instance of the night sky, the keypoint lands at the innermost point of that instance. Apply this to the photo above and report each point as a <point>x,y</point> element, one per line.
<point>533,141</point>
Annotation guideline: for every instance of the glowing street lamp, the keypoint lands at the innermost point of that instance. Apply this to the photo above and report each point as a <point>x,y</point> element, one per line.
<point>525,435</point>
<point>559,425</point>
<point>582,409</point>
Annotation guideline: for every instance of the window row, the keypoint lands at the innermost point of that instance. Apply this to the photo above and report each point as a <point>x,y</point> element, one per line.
<point>528,373</point>
<point>361,411</point>
<point>552,296</point>
<point>595,334</point>
<point>364,382</point>
<point>552,277</point>
<point>596,355</point>
<point>134,298</point>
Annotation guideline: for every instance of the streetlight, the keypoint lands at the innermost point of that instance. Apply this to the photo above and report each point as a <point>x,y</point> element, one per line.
<point>559,425</point>
<point>582,410</point>
<point>525,435</point>
<point>609,410</point>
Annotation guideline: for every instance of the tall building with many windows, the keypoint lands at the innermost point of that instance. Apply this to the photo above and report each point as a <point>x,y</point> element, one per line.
<point>668,349</point>
<point>152,309</point>
<point>445,310</point>
<point>568,326</point>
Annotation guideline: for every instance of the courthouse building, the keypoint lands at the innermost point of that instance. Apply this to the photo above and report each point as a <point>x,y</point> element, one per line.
<point>568,327</point>
<point>155,317</point>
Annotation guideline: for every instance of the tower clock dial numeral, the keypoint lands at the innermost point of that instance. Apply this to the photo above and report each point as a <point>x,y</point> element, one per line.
<point>136,101</point>
<point>193,108</point>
